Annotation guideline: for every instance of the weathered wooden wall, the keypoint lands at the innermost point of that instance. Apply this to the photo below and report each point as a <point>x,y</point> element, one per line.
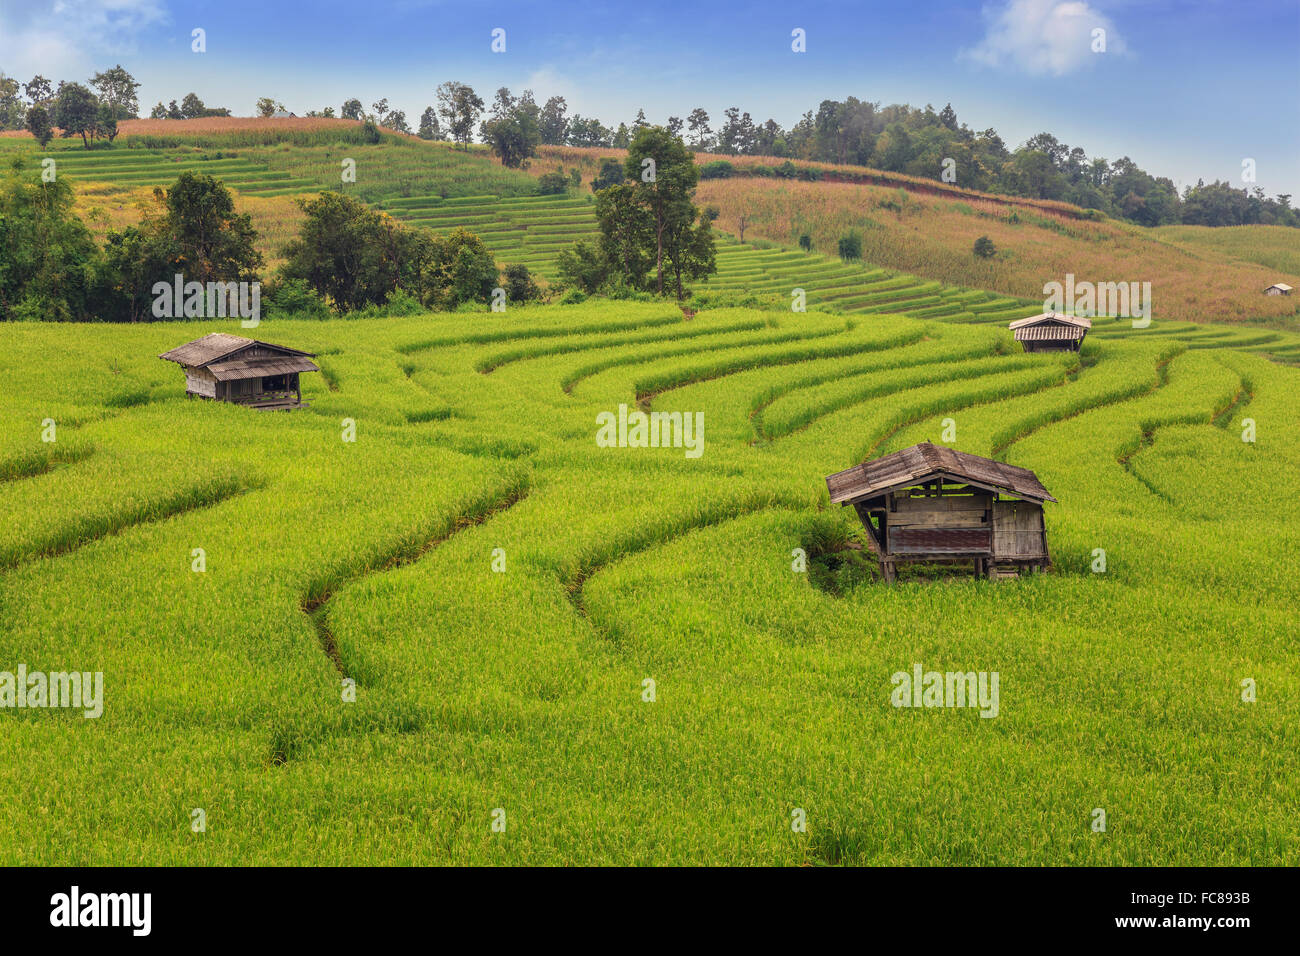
<point>201,382</point>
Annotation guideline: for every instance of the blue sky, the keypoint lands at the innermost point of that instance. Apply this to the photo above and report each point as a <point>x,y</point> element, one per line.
<point>1187,89</point>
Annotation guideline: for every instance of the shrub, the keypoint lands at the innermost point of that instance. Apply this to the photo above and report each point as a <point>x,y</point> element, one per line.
<point>984,248</point>
<point>850,247</point>
<point>611,174</point>
<point>718,169</point>
<point>294,299</point>
<point>805,242</point>
<point>519,284</point>
<point>552,184</point>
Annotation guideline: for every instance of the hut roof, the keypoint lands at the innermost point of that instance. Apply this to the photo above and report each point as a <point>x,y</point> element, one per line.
<point>218,345</point>
<point>1049,319</point>
<point>1279,285</point>
<point>258,367</point>
<point>920,463</point>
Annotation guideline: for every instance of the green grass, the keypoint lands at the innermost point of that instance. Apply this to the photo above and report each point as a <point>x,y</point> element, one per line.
<point>522,689</point>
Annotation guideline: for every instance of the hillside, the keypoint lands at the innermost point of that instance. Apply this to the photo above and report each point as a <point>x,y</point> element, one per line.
<point>915,231</point>
<point>916,235</point>
<point>1277,248</point>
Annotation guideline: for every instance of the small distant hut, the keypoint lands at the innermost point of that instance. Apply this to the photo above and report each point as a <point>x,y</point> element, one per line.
<point>232,368</point>
<point>1278,288</point>
<point>1051,332</point>
<point>931,504</point>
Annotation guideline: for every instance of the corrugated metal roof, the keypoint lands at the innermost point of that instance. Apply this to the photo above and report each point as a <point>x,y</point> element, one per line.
<point>1050,332</point>
<point>256,368</point>
<point>217,345</point>
<point>1279,285</point>
<point>915,465</point>
<point>207,349</point>
<point>1078,320</point>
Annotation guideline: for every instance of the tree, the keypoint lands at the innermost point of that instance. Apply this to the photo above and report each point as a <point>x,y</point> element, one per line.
<point>622,138</point>
<point>583,266</point>
<point>117,91</point>
<point>174,111</point>
<point>460,107</point>
<point>351,109</point>
<point>553,124</point>
<point>611,174</point>
<point>48,259</point>
<point>213,242</point>
<point>77,112</point>
<point>519,284</point>
<point>159,111</point>
<point>192,107</point>
<point>553,184</point>
<point>627,236</point>
<point>396,120</point>
<point>588,132</point>
<point>429,128</point>
<point>850,247</point>
<point>664,177</point>
<point>12,110</point>
<point>984,248</point>
<point>38,124</point>
<point>701,136</point>
<point>513,131</point>
<point>106,124</point>
<point>674,126</point>
<point>357,256</point>
<point>39,92</point>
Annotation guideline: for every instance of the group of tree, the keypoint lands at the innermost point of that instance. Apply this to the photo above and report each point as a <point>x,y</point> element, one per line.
<point>356,256</point>
<point>191,107</point>
<point>348,256</point>
<point>924,143</point>
<point>652,235</point>
<point>91,112</point>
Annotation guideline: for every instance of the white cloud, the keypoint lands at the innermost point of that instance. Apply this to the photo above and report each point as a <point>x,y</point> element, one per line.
<point>1044,36</point>
<point>71,39</point>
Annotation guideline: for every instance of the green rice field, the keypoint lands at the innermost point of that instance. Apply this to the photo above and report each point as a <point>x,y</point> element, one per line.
<point>472,634</point>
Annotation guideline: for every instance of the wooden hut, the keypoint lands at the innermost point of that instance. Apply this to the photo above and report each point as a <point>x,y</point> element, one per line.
<point>932,504</point>
<point>232,368</point>
<point>1278,288</point>
<point>1051,332</point>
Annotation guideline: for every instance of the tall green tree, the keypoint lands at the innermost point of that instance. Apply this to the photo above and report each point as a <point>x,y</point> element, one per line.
<point>48,259</point>
<point>117,90</point>
<point>77,112</point>
<point>664,177</point>
<point>460,108</point>
<point>514,129</point>
<point>38,124</point>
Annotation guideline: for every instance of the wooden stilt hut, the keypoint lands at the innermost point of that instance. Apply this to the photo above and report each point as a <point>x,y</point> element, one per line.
<point>931,504</point>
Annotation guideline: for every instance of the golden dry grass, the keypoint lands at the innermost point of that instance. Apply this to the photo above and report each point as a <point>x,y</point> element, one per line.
<point>103,206</point>
<point>587,159</point>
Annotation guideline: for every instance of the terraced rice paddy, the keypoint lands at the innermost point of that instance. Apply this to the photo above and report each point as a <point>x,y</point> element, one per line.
<point>500,588</point>
<point>131,168</point>
<point>528,230</point>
